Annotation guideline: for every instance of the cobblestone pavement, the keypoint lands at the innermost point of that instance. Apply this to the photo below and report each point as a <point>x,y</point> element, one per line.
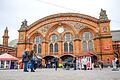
<point>60,74</point>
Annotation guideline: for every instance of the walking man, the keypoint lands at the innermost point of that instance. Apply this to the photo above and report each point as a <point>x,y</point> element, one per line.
<point>25,59</point>
<point>56,63</point>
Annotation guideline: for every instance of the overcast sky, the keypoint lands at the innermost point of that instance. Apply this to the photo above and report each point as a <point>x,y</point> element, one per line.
<point>13,12</point>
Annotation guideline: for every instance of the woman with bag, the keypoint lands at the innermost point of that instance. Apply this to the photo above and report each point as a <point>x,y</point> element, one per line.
<point>32,60</point>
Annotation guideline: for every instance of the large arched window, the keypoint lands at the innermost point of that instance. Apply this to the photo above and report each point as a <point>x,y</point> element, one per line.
<point>68,37</point>
<point>68,42</point>
<point>37,45</point>
<point>53,38</point>
<point>37,39</point>
<point>53,43</point>
<point>87,42</point>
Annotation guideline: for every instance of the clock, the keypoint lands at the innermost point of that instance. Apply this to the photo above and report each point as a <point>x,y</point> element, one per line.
<point>60,29</point>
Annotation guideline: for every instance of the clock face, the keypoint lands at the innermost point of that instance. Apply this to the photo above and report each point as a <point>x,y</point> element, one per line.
<point>60,30</point>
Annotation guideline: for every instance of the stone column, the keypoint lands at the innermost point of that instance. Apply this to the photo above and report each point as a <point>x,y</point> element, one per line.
<point>77,45</point>
<point>60,45</point>
<point>44,48</point>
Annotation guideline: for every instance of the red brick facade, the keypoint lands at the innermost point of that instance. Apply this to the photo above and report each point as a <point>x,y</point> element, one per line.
<point>74,24</point>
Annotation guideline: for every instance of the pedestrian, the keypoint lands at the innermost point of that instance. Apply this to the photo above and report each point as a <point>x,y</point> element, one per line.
<point>56,63</point>
<point>84,62</point>
<point>100,64</point>
<point>25,59</point>
<point>117,62</point>
<point>32,61</point>
<point>74,63</point>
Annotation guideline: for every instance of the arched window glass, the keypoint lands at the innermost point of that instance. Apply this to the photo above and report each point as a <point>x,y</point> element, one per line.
<point>90,46</point>
<point>38,39</point>
<point>35,48</point>
<point>87,36</point>
<point>65,47</point>
<point>39,48</point>
<point>71,47</point>
<point>68,37</point>
<point>37,44</point>
<point>87,44</point>
<point>84,46</point>
<point>53,38</point>
<point>56,47</point>
<point>51,47</point>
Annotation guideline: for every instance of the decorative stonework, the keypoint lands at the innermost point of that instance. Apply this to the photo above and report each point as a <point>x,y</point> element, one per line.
<point>103,15</point>
<point>104,29</point>
<point>44,29</point>
<point>65,16</point>
<point>21,36</point>
<point>24,25</point>
<point>77,25</point>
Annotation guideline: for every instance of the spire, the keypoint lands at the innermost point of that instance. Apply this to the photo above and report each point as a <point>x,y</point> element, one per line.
<point>5,37</point>
<point>6,30</point>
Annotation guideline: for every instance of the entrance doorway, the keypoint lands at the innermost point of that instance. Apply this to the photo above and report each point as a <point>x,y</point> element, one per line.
<point>94,58</point>
<point>67,59</point>
<point>49,61</point>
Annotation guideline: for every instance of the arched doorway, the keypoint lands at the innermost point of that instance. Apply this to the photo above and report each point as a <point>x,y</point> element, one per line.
<point>94,58</point>
<point>49,61</point>
<point>116,55</point>
<point>67,59</point>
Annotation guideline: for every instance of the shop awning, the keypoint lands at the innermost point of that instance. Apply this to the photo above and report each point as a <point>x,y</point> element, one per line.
<point>8,57</point>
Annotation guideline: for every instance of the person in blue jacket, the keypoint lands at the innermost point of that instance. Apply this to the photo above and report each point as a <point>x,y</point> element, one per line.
<point>25,59</point>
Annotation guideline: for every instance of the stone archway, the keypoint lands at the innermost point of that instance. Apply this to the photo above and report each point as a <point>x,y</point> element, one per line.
<point>49,61</point>
<point>94,58</point>
<point>116,55</point>
<point>67,56</point>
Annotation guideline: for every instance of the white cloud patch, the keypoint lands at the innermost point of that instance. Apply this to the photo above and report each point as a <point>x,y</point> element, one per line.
<point>13,12</point>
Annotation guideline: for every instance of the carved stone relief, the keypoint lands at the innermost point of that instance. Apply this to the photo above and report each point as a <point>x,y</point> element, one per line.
<point>44,29</point>
<point>76,25</point>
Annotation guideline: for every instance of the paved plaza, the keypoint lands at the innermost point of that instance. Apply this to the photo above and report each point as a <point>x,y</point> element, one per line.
<point>60,74</point>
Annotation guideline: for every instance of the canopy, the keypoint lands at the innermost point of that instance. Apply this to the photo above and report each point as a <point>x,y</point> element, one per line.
<point>8,57</point>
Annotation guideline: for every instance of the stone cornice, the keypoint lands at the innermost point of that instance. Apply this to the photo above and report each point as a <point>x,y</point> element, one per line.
<point>103,36</point>
<point>24,43</point>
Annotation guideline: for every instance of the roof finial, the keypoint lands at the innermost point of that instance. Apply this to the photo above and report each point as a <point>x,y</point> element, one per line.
<point>103,15</point>
<point>24,24</point>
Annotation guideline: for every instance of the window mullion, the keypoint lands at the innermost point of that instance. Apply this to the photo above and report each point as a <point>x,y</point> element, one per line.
<point>68,47</point>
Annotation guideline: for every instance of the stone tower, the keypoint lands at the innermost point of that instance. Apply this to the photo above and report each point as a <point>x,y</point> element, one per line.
<point>5,37</point>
